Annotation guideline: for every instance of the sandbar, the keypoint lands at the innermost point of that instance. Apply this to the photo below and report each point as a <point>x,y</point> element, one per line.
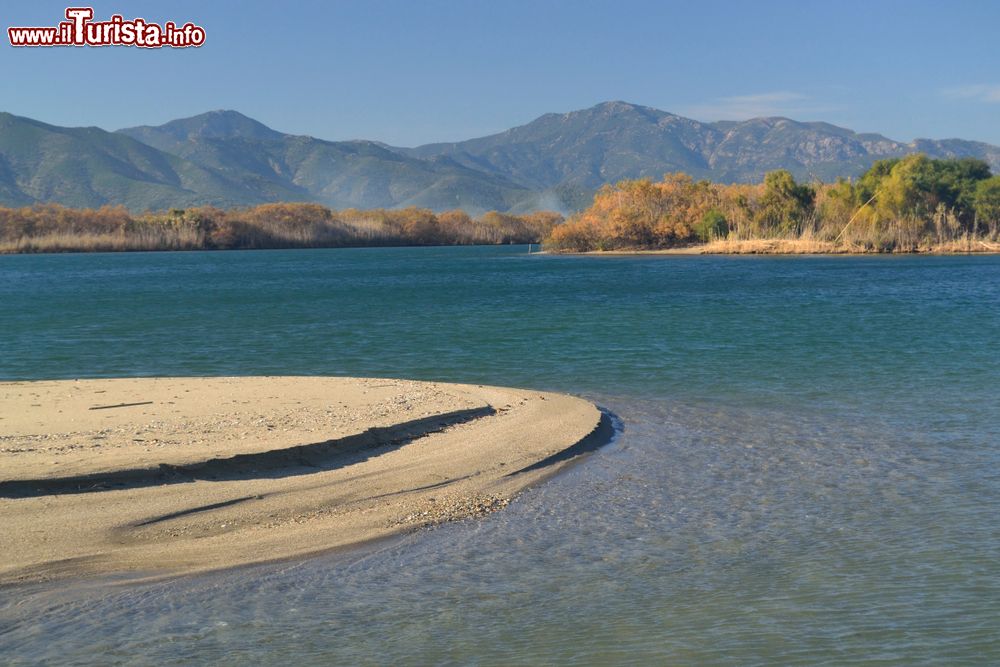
<point>153,477</point>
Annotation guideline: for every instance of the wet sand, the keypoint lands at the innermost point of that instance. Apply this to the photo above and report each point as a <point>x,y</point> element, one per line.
<point>163,476</point>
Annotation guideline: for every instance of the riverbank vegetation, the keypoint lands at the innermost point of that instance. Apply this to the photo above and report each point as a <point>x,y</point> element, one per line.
<point>909,204</point>
<point>54,228</point>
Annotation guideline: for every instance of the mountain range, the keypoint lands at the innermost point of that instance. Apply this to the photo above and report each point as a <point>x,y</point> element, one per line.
<point>224,158</point>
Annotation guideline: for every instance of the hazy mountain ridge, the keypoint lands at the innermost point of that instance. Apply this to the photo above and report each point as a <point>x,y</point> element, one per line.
<point>616,140</point>
<point>341,174</point>
<point>556,161</point>
<point>88,166</point>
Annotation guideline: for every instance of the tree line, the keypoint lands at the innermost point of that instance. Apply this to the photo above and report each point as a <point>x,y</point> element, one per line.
<point>54,228</point>
<point>899,205</point>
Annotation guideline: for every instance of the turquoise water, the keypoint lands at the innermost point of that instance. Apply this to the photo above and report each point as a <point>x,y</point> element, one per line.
<point>807,473</point>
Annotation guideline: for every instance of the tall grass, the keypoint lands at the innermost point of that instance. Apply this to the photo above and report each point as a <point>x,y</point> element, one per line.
<point>53,228</point>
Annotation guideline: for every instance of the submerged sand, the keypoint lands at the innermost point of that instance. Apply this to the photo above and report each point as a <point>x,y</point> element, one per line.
<point>171,475</point>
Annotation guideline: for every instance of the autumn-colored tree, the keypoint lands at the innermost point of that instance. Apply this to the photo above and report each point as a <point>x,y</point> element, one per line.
<point>418,225</point>
<point>642,214</point>
<point>574,235</point>
<point>501,226</point>
<point>540,223</point>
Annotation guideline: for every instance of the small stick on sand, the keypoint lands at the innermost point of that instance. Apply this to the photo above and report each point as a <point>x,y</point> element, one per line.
<point>119,405</point>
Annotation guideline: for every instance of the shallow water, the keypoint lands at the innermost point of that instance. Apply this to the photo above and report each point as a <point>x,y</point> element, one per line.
<point>807,472</point>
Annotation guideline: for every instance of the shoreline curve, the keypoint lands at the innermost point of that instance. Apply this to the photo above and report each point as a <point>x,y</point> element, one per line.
<point>154,477</point>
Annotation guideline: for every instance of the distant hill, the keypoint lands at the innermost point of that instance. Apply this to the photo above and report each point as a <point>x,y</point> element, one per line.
<point>362,174</point>
<point>556,161</point>
<point>89,167</point>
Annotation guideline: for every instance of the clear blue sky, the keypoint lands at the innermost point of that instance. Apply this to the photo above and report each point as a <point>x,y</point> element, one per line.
<point>416,71</point>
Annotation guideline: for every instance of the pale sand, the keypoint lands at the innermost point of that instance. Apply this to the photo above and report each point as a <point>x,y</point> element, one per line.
<point>209,473</point>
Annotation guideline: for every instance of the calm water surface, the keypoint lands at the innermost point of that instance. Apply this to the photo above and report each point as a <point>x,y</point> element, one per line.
<point>808,471</point>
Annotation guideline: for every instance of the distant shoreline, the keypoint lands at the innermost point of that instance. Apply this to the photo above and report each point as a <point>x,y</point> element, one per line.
<point>136,251</point>
<point>52,228</point>
<point>796,247</point>
<point>751,247</point>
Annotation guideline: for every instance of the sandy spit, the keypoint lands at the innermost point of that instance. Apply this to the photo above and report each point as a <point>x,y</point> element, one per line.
<point>162,476</point>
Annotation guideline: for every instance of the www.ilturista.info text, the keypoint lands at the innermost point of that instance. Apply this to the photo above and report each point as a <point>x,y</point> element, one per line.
<point>80,30</point>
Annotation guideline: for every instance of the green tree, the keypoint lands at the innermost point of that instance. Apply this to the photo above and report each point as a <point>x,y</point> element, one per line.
<point>917,187</point>
<point>785,204</point>
<point>713,225</point>
<point>908,190</point>
<point>870,180</point>
<point>987,204</point>
<point>954,184</point>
